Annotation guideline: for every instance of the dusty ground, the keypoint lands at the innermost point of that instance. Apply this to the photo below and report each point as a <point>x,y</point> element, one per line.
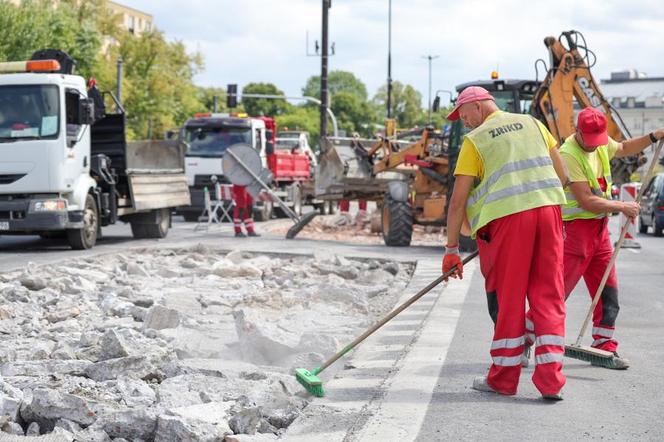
<point>188,344</point>
<point>355,227</point>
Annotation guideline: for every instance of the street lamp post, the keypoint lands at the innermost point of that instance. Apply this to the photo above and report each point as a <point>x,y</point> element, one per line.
<point>389,60</point>
<point>430,58</point>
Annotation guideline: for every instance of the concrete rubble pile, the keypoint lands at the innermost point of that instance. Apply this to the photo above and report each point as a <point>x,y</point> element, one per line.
<point>362,227</point>
<point>168,345</point>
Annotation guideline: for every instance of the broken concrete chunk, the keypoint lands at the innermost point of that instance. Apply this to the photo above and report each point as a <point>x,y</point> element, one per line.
<point>135,392</point>
<point>47,406</point>
<point>246,421</point>
<point>112,346</point>
<point>160,317</point>
<point>62,315</point>
<point>262,342</point>
<point>179,429</point>
<point>33,429</point>
<point>129,423</point>
<point>391,267</point>
<point>67,425</point>
<point>226,269</point>
<point>13,428</point>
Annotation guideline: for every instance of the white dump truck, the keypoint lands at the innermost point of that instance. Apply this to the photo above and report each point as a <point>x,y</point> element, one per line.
<point>66,168</point>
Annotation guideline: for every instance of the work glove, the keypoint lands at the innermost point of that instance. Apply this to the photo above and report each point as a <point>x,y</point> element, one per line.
<point>452,259</point>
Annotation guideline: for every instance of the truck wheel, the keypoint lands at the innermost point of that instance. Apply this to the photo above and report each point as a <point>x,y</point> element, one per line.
<point>156,229</point>
<point>263,212</point>
<point>86,237</point>
<point>397,222</point>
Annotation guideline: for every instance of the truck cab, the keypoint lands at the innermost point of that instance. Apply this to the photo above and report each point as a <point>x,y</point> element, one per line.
<point>207,137</point>
<point>66,168</point>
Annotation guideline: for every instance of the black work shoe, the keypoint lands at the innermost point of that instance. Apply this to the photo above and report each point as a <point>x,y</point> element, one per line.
<point>240,235</point>
<point>553,397</point>
<point>253,234</point>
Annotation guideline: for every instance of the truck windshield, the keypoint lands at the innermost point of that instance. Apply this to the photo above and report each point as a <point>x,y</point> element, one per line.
<point>287,143</point>
<point>212,142</point>
<point>29,112</point>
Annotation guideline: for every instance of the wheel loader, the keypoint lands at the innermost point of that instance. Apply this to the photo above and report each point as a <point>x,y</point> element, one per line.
<point>412,182</point>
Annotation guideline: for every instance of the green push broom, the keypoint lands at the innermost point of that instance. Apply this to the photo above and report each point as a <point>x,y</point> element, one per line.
<point>310,380</point>
<point>595,356</point>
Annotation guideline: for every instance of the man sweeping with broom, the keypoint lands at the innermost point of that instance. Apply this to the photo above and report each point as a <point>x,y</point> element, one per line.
<point>587,155</point>
<point>508,182</point>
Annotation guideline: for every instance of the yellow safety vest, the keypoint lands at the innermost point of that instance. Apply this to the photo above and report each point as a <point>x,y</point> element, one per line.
<point>518,171</point>
<point>571,209</point>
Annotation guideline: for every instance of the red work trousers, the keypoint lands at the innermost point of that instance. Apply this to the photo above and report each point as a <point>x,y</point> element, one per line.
<point>344,205</point>
<point>242,211</point>
<point>521,256</point>
<point>588,251</point>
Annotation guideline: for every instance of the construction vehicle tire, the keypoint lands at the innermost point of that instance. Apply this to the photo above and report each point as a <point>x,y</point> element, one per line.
<point>397,222</point>
<point>86,237</point>
<point>156,229</point>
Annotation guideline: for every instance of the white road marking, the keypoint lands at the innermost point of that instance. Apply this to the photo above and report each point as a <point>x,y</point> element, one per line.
<point>402,410</point>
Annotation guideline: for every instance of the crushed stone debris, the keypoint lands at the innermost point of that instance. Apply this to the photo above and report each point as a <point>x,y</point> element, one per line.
<point>357,228</point>
<point>178,344</point>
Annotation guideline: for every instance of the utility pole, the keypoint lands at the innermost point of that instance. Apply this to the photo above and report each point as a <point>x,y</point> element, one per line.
<point>389,60</point>
<point>323,71</point>
<point>430,58</point>
<point>118,90</point>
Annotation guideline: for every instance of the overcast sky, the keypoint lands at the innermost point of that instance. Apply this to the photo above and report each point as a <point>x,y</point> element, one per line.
<point>265,40</point>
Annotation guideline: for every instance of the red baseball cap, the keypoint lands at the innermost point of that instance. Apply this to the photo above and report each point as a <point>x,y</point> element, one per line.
<point>591,125</point>
<point>468,95</point>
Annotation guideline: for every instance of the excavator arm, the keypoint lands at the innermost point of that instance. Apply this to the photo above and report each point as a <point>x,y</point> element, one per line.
<point>569,79</point>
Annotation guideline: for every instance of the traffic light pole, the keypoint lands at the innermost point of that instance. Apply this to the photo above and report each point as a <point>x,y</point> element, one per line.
<point>329,112</point>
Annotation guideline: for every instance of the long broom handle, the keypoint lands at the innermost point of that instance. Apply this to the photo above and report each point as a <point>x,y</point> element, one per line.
<point>605,277</point>
<point>383,321</point>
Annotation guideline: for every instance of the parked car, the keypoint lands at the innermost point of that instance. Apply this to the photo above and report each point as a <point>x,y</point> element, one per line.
<point>652,206</point>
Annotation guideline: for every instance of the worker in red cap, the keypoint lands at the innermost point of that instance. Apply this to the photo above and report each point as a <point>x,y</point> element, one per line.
<point>509,186</point>
<point>587,155</point>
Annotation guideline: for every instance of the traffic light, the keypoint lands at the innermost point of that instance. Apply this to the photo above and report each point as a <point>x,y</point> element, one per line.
<point>231,95</point>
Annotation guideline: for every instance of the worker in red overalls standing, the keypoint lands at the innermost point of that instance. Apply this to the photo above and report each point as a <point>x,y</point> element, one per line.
<point>243,212</point>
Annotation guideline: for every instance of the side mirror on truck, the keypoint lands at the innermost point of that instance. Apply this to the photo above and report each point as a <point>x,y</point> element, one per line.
<point>80,110</point>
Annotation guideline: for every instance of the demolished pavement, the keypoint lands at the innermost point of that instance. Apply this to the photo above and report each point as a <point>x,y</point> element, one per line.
<point>177,344</point>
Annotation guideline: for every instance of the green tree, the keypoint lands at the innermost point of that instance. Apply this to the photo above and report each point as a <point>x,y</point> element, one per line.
<point>337,81</point>
<point>158,89</point>
<point>301,118</point>
<point>353,115</point>
<point>264,106</point>
<point>36,24</point>
<point>206,98</point>
<point>406,104</point>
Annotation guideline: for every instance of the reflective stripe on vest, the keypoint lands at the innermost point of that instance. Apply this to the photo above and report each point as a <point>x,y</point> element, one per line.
<point>572,209</point>
<point>519,173</point>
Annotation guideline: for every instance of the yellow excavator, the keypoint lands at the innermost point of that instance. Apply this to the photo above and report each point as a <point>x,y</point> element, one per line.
<point>411,182</point>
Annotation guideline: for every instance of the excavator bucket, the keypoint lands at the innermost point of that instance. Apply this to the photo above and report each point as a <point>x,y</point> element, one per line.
<point>345,171</point>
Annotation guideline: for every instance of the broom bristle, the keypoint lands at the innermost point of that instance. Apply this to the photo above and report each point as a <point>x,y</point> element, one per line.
<point>596,357</point>
<point>310,382</point>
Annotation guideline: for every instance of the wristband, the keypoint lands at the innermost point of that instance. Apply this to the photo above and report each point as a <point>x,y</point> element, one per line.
<point>653,138</point>
<point>452,250</point>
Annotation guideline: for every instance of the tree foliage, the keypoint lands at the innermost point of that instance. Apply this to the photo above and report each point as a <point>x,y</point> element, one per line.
<point>264,106</point>
<point>337,81</point>
<point>406,104</point>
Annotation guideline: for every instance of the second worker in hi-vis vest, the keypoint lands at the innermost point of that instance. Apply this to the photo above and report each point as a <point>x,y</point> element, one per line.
<point>587,155</point>
<point>508,185</point>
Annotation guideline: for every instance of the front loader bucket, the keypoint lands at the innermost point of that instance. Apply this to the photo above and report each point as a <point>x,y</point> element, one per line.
<point>345,171</point>
<point>298,226</point>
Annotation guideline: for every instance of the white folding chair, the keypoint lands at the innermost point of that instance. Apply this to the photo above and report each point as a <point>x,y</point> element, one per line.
<point>223,205</point>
